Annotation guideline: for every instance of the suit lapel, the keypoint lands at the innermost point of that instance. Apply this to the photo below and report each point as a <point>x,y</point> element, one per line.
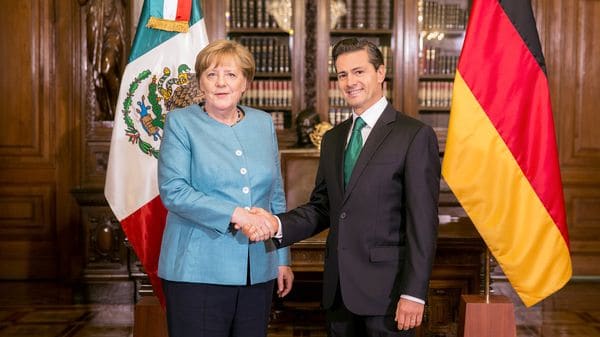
<point>340,147</point>
<point>381,129</point>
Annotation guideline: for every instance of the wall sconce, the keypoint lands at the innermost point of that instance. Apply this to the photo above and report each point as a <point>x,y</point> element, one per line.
<point>337,9</point>
<point>281,10</point>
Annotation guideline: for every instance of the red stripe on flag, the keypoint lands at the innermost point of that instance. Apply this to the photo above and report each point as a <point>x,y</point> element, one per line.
<point>513,90</point>
<point>144,230</point>
<point>184,9</point>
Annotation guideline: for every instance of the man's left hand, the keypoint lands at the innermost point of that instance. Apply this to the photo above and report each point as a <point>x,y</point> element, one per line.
<point>285,279</point>
<point>409,314</point>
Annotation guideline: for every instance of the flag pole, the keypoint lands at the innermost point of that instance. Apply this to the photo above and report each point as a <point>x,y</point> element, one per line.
<point>487,275</point>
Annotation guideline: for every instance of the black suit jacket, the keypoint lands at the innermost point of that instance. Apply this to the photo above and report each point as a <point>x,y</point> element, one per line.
<point>383,225</point>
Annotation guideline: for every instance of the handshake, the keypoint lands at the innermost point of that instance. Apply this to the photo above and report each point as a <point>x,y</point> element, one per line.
<point>257,224</point>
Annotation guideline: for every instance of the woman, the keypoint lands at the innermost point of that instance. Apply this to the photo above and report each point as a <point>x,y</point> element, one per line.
<point>216,162</point>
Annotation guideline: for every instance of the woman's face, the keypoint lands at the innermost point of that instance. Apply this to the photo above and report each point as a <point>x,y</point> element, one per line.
<point>223,85</point>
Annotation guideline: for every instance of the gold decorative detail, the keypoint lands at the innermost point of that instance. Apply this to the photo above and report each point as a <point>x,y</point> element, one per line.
<point>186,94</point>
<point>317,135</point>
<point>337,10</point>
<point>281,11</point>
<point>168,25</point>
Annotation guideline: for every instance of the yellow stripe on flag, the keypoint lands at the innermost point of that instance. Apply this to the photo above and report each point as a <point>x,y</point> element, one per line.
<point>487,180</point>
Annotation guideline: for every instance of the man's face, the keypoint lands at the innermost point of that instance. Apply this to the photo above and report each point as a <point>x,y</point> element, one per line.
<point>359,81</point>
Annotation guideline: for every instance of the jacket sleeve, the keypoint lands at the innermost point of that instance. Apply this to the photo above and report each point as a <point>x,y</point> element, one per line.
<point>174,176</point>
<point>421,181</point>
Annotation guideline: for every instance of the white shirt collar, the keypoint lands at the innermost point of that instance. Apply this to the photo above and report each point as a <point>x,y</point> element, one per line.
<point>372,114</point>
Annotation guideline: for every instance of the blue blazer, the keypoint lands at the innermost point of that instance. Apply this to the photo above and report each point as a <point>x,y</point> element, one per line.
<point>205,170</point>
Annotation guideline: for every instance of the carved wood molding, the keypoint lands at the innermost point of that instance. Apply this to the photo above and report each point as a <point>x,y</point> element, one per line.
<point>310,56</point>
<point>106,36</point>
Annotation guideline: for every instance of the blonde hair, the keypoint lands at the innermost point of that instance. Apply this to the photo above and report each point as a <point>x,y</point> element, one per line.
<point>216,51</point>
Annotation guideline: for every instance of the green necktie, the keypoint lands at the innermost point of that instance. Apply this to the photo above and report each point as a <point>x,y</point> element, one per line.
<point>353,149</point>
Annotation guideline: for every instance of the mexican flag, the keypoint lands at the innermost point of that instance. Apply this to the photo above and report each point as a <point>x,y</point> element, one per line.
<point>501,158</point>
<point>158,78</point>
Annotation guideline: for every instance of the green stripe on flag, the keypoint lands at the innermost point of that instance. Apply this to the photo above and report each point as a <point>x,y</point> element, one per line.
<point>148,38</point>
<point>156,8</point>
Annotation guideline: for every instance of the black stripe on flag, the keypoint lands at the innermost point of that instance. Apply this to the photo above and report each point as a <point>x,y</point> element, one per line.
<point>521,15</point>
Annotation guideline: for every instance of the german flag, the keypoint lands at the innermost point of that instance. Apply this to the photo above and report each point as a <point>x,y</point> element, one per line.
<point>501,160</point>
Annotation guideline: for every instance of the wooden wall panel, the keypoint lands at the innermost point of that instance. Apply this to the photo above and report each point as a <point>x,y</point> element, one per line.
<point>28,246</point>
<point>571,42</point>
<point>96,163</point>
<point>25,53</point>
<point>28,260</point>
<point>584,227</point>
<point>585,212</point>
<point>27,163</point>
<point>28,211</point>
<point>587,118</point>
<point>37,223</point>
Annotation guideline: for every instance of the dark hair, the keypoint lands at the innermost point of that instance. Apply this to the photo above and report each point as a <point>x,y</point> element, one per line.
<point>353,44</point>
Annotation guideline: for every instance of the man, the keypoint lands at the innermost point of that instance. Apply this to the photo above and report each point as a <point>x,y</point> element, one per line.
<point>377,191</point>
